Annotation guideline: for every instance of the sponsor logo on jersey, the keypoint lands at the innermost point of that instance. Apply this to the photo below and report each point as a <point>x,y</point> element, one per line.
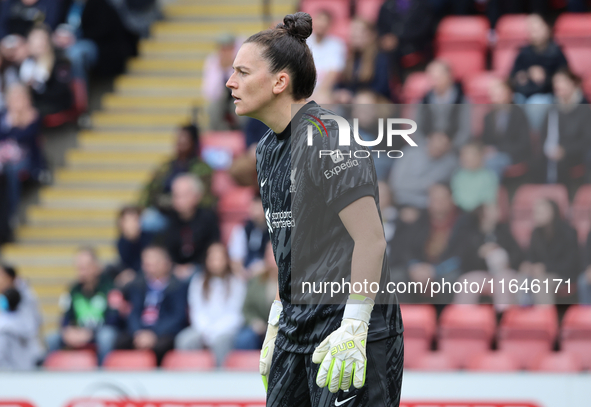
<point>340,168</point>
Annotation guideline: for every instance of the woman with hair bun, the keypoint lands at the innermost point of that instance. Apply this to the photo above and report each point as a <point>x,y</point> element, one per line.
<point>321,205</point>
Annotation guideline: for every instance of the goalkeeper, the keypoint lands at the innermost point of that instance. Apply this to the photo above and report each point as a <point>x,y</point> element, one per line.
<point>317,353</point>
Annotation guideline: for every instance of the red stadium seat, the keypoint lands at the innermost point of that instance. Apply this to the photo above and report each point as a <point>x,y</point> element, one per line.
<point>80,106</point>
<point>188,360</point>
<point>464,63</point>
<point>435,362</point>
<point>579,58</point>
<point>368,9</point>
<point>573,29</point>
<point>558,362</point>
<point>527,333</point>
<point>576,333</point>
<point>339,10</point>
<point>234,205</point>
<point>71,360</point>
<point>415,87</point>
<point>587,86</point>
<point>503,204</point>
<point>243,360</point>
<point>130,360</point>
<point>465,331</point>
<point>512,31</point>
<point>477,86</point>
<point>462,33</point>
<point>581,212</point>
<point>503,60</point>
<point>526,195</point>
<point>221,182</point>
<point>419,329</point>
<point>232,141</point>
<point>493,362</point>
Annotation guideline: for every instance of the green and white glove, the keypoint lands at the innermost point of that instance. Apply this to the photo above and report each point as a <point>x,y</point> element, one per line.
<point>269,342</point>
<point>342,354</point>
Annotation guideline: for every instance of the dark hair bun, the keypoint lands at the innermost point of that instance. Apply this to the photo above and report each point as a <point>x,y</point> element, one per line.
<point>298,25</point>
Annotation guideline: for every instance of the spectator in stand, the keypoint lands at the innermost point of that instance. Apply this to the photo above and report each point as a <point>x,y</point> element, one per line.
<point>5,230</point>
<point>329,54</point>
<point>444,108</point>
<point>432,161</point>
<point>247,242</point>
<point>473,185</point>
<point>132,241</point>
<point>191,228</point>
<point>47,72</point>
<point>405,30</point>
<point>215,306</point>
<point>158,303</point>
<point>584,281</point>
<point>365,67</point>
<point>14,51</point>
<point>156,195</point>
<point>19,16</point>
<point>506,133</point>
<point>20,322</point>
<point>216,72</point>
<point>428,239</point>
<point>553,251</point>
<point>534,67</point>
<point>260,293</point>
<point>486,249</point>
<point>20,127</point>
<point>566,130</point>
<point>88,317</point>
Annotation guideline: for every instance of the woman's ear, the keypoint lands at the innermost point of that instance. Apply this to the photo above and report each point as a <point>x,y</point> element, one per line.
<point>281,82</point>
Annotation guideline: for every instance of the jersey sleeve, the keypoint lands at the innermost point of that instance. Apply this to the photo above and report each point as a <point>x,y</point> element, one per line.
<point>343,173</point>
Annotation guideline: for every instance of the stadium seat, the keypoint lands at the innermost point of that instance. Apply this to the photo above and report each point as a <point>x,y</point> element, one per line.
<point>527,333</point>
<point>221,182</point>
<point>462,33</point>
<point>368,9</point>
<point>476,87</point>
<point>415,87</point>
<point>526,195</point>
<point>493,362</point>
<point>511,31</point>
<point>463,63</point>
<point>579,58</point>
<point>435,362</point>
<point>503,203</point>
<point>339,9</point>
<point>575,334</point>
<point>581,212</point>
<point>558,362</point>
<point>232,141</point>
<point>80,106</point>
<point>503,60</point>
<point>234,205</point>
<point>243,360</point>
<point>188,360</point>
<point>130,360</point>
<point>71,360</point>
<point>465,331</point>
<point>587,87</point>
<point>419,329</point>
<point>573,29</point>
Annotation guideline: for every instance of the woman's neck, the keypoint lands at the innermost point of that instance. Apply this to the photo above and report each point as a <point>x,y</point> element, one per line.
<point>279,116</point>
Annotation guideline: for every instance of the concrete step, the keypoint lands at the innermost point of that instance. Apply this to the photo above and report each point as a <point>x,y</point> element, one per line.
<point>203,31</point>
<point>235,11</point>
<point>168,104</point>
<point>41,274</point>
<point>74,234</point>
<point>135,120</point>
<point>77,158</point>
<point>44,216</point>
<point>23,255</point>
<point>126,141</point>
<point>175,49</point>
<point>157,86</point>
<point>101,178</point>
<point>50,291</point>
<point>78,198</point>
<point>167,66</point>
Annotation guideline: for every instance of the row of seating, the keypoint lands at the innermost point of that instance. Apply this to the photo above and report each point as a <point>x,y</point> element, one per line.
<point>465,335</point>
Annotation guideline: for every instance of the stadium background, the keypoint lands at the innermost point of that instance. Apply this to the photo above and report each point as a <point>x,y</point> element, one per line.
<point>105,149</point>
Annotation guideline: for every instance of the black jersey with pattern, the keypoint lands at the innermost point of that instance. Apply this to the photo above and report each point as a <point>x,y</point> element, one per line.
<point>302,195</point>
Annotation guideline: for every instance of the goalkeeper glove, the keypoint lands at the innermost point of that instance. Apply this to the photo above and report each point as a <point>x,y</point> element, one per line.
<point>269,342</point>
<point>342,354</point>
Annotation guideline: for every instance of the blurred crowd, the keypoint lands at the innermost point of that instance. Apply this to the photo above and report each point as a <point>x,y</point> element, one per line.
<point>48,49</point>
<point>176,286</point>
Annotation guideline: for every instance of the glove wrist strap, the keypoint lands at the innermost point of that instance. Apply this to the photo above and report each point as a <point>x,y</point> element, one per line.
<point>275,313</point>
<point>358,307</point>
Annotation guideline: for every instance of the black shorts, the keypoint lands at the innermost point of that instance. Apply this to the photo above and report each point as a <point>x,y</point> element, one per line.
<point>292,380</point>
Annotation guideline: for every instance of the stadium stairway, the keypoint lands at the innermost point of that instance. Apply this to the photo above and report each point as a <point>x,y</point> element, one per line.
<point>130,135</point>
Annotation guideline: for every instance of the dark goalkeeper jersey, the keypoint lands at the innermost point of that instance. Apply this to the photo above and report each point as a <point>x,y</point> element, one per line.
<point>302,194</point>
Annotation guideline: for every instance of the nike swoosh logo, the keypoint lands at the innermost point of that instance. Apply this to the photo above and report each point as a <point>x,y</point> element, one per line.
<point>264,182</point>
<point>340,403</point>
